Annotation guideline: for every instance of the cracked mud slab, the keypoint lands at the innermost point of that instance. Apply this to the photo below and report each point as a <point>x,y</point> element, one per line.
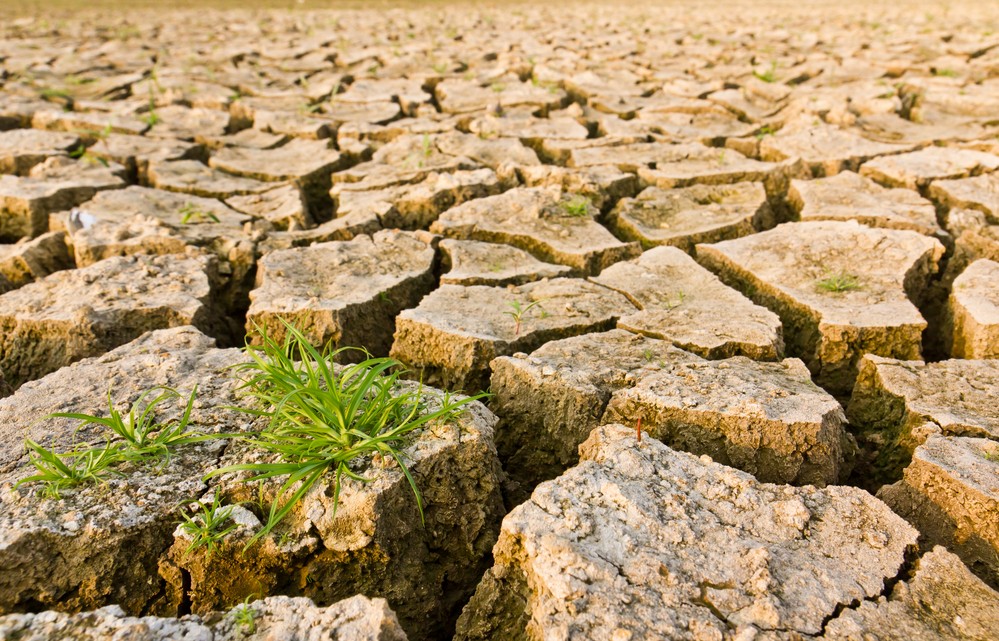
<point>456,331</point>
<point>639,541</point>
<point>973,311</point>
<point>469,262</point>
<point>796,269</point>
<point>917,169</point>
<point>684,303</point>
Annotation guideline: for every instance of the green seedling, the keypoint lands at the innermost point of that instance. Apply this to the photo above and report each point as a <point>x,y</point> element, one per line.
<point>65,471</point>
<point>764,131</point>
<point>205,528</point>
<point>721,157</point>
<point>83,154</point>
<point>143,438</point>
<point>947,73</point>
<point>427,149</point>
<point>578,207</point>
<point>518,313</point>
<point>496,267</point>
<point>841,281</point>
<point>440,67</point>
<point>325,421</point>
<point>648,355</point>
<point>992,455</point>
<point>498,87</point>
<point>191,211</point>
<point>151,118</point>
<point>769,74</point>
<point>245,617</point>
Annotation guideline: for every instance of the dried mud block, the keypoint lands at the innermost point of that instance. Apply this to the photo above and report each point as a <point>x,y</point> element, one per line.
<point>197,179</point>
<point>136,152</point>
<point>28,260</point>
<point>249,138</point>
<point>940,599</point>
<point>603,185</point>
<point>491,153</point>
<point>639,541</point>
<point>461,96</point>
<point>309,163</point>
<point>375,544</point>
<point>841,290</point>
<point>980,193</point>
<point>289,618</point>
<point>897,405</point>
<point>974,239</point>
<point>408,93</point>
<point>378,113</point>
<point>78,313</point>
<point>22,149</point>
<point>346,294</point>
<point>916,170</point>
<point>950,493</point>
<point>689,215</point>
<point>530,130</point>
<point>825,149</point>
<point>177,121</point>
<point>685,304</point>
<point>850,196</point>
<point>973,312</point>
<point>405,160</point>
<point>693,163</point>
<point>284,207</point>
<point>101,545</point>
<point>92,121</point>
<point>347,228</point>
<point>532,220</point>
<point>469,262</point>
<point>456,331</point>
<point>416,206</point>
<point>26,202</point>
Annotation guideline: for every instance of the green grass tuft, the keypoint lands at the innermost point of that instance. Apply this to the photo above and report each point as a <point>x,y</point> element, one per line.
<point>841,281</point>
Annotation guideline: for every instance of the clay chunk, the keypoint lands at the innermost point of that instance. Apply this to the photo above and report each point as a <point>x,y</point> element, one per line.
<point>469,262</point>
<point>980,193</point>
<point>78,313</point>
<point>684,303</point>
<point>973,311</point>
<point>850,196</point>
<point>826,150</point>
<point>841,290</point>
<point>344,294</point>
<point>289,618</point>
<point>949,492</point>
<point>917,169</point>
<point>666,545</point>
<point>536,222</point>
<point>22,149</point>
<point>456,331</point>
<point>898,404</point>
<point>690,215</point>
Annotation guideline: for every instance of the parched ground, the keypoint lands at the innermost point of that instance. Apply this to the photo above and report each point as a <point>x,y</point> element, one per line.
<point>729,273</point>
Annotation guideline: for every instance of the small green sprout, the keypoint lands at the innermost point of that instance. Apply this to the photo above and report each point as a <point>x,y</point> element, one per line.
<point>841,281</point>
<point>440,67</point>
<point>83,154</point>
<point>518,313</point>
<point>648,355</point>
<point>205,528</point>
<point>498,87</point>
<point>992,455</point>
<point>947,73</point>
<point>245,616</point>
<point>325,420</point>
<point>764,131</point>
<point>427,149</point>
<point>721,157</point>
<point>496,267</point>
<point>65,471</point>
<point>191,211</point>
<point>578,207</point>
<point>151,118</point>
<point>768,75</point>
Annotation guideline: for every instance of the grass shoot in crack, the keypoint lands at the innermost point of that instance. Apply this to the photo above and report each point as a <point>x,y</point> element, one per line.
<point>205,528</point>
<point>324,417</point>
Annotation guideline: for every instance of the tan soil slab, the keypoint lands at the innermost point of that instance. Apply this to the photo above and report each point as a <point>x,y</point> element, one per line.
<point>284,207</point>
<point>289,618</point>
<point>75,121</point>
<point>530,130</point>
<point>897,405</point>
<point>949,492</point>
<point>973,311</point>
<point>456,331</point>
<point>184,123</point>
<point>250,138</point>
<point>491,153</point>
<point>405,160</point>
<point>78,313</point>
<point>534,221</point>
<point>698,164</point>
<point>416,206</point>
<point>603,185</point>
<point>22,149</point>
<point>28,260</point>
<point>462,96</point>
<point>980,192</point>
<point>782,269</point>
<point>850,196</point>
<point>26,202</point>
<point>639,541</point>
<point>307,162</point>
<point>685,304</point>
<point>690,215</point>
<point>102,545</point>
<point>942,601</point>
<point>375,543</point>
<point>918,169</point>
<point>192,177</point>
<point>346,228</point>
<point>766,419</point>
<point>826,150</point>
<point>346,294</point>
<point>469,262</point>
<point>136,152</point>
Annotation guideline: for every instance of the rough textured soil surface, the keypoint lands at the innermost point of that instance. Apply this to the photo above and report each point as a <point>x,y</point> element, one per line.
<point>727,272</point>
